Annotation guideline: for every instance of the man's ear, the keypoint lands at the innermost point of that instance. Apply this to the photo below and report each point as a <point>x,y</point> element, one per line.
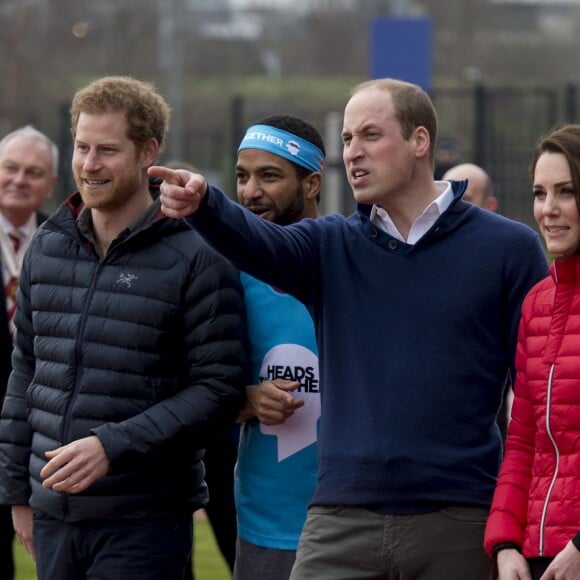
<point>312,184</point>
<point>422,141</point>
<point>149,152</point>
<point>490,203</point>
<point>51,190</point>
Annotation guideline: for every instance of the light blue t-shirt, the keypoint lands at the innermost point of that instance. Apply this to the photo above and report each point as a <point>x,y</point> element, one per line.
<point>276,470</point>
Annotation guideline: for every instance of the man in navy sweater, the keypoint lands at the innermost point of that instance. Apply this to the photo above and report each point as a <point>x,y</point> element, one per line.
<point>416,302</point>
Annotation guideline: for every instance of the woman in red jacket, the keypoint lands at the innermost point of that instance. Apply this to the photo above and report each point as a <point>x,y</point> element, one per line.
<point>534,525</point>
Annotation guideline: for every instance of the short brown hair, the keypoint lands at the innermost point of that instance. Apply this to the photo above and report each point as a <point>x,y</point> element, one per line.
<point>146,111</point>
<point>413,106</point>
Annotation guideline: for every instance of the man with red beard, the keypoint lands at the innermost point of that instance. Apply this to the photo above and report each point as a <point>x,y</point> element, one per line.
<point>129,358</point>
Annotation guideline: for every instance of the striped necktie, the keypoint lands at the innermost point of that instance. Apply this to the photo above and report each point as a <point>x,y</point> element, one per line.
<point>11,286</point>
<point>16,239</point>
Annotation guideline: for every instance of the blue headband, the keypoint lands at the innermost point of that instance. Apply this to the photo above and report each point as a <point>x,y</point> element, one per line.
<point>283,144</point>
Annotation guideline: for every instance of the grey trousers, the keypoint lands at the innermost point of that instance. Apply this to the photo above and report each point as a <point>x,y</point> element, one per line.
<point>351,543</point>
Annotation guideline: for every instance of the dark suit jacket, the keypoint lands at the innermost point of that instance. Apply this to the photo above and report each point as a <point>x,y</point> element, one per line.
<point>5,339</point>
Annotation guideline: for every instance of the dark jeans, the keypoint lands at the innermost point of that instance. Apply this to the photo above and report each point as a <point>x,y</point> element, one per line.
<point>253,562</point>
<point>220,459</point>
<point>145,549</point>
<point>6,540</point>
<point>538,566</point>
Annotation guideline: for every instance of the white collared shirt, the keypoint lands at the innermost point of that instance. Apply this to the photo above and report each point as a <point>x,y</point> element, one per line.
<point>380,218</point>
<point>26,231</point>
<point>11,260</point>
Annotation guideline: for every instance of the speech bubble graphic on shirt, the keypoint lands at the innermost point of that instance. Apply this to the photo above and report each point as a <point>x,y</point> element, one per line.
<point>294,362</point>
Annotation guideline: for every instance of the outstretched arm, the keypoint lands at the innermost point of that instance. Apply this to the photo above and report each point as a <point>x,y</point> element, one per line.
<point>286,257</point>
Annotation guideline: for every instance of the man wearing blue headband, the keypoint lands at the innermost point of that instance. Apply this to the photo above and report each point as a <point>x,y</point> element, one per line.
<point>416,302</point>
<point>278,175</point>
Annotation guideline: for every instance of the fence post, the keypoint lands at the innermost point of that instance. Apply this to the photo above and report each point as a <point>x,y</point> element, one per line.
<point>332,199</point>
<point>570,96</point>
<point>237,134</point>
<point>480,125</point>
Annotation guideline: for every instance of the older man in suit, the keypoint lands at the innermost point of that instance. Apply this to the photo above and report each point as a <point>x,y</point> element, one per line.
<point>28,174</point>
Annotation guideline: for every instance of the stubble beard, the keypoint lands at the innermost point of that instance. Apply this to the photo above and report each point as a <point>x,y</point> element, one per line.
<point>115,194</point>
<point>294,211</point>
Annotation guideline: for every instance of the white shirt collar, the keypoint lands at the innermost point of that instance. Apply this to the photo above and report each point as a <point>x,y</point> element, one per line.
<point>25,230</point>
<point>423,223</point>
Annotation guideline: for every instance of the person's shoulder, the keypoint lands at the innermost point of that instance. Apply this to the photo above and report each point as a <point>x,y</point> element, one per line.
<point>333,220</point>
<point>56,223</point>
<point>321,226</point>
<point>191,246</point>
<point>507,240</point>
<point>177,234</point>
<point>544,284</point>
<point>541,292</point>
<point>500,224</point>
<point>41,217</point>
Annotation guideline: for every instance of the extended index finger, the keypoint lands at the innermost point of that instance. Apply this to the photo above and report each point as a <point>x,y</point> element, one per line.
<point>173,176</point>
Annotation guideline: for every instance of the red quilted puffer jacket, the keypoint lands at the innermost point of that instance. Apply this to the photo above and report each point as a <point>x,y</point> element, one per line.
<point>536,505</point>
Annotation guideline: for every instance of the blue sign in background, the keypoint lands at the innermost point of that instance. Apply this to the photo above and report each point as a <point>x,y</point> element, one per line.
<point>401,49</point>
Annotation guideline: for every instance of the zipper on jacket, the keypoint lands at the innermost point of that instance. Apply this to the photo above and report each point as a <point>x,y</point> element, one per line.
<point>78,357</point>
<point>557,453</point>
<point>100,264</point>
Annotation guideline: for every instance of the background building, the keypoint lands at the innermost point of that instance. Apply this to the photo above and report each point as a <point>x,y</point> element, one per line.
<point>504,71</point>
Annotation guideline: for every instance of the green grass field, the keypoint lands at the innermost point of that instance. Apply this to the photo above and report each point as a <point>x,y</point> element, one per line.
<point>208,562</point>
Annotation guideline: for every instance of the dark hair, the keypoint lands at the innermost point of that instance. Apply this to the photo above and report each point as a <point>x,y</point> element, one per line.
<point>297,127</point>
<point>564,140</point>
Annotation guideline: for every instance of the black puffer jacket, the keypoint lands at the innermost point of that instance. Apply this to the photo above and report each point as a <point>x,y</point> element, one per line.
<point>144,349</point>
